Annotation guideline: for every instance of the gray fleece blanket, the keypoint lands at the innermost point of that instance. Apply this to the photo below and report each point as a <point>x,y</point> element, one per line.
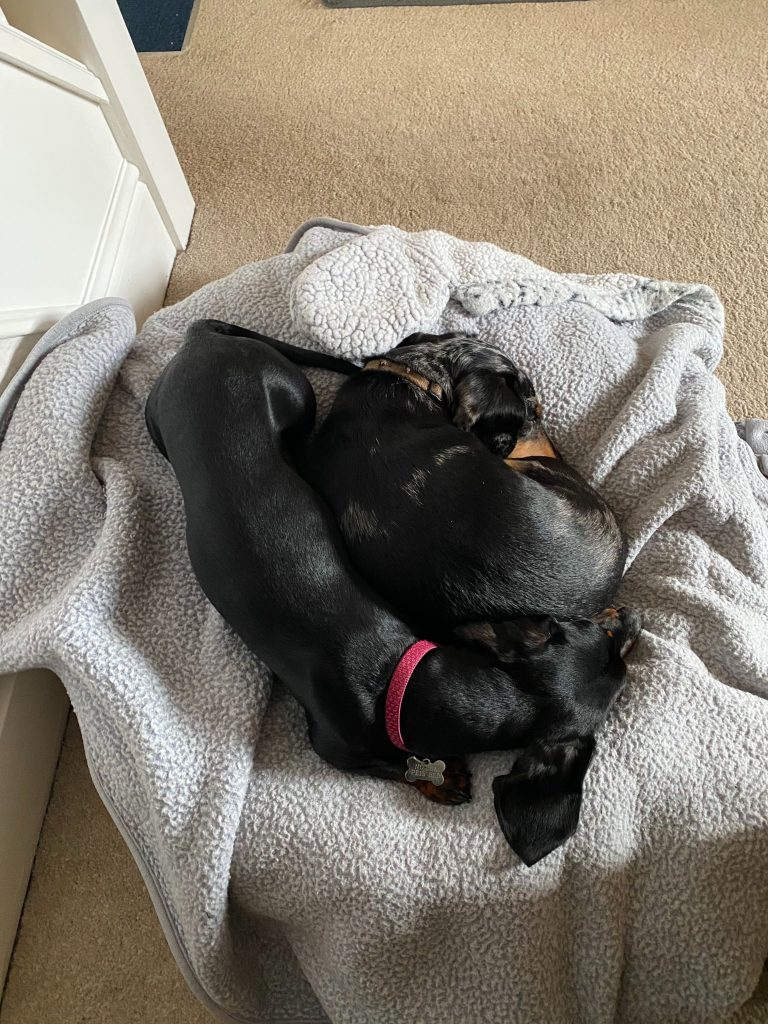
<point>289,890</point>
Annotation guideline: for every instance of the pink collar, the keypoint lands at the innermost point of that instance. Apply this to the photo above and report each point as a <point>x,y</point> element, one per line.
<point>397,687</point>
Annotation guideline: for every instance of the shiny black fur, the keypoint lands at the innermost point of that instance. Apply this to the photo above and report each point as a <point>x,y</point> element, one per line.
<point>433,517</point>
<point>230,413</point>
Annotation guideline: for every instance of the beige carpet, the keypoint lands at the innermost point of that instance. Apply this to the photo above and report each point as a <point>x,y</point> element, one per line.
<point>609,135</point>
<point>601,136</point>
<point>90,949</point>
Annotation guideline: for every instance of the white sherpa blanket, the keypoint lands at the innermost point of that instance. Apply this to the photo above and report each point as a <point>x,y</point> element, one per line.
<point>271,871</point>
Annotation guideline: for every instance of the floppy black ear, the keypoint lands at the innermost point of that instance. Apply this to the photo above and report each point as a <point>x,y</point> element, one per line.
<point>539,801</point>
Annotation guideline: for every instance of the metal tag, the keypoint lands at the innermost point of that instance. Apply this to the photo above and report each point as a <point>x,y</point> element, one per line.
<point>425,771</point>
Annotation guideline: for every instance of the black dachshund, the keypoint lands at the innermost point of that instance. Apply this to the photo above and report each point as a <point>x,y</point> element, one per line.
<point>230,413</point>
<point>414,459</point>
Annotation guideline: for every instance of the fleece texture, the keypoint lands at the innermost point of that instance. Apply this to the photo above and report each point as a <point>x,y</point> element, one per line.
<point>289,890</point>
<point>755,433</point>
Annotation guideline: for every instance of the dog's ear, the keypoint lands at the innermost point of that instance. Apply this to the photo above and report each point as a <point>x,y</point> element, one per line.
<point>490,405</point>
<point>539,801</point>
<point>508,640</point>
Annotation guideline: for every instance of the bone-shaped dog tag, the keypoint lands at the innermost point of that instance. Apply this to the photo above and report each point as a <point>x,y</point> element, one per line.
<point>425,771</point>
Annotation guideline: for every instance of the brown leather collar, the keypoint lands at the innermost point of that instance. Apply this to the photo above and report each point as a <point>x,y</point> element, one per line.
<point>429,387</point>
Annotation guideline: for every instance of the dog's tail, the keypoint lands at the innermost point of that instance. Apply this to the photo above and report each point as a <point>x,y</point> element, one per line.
<point>296,354</point>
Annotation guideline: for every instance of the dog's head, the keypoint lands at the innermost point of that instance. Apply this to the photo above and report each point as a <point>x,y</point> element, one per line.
<point>575,670</point>
<point>484,391</point>
<point>493,406</point>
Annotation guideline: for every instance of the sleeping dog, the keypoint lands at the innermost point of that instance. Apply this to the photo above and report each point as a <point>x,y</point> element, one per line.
<point>415,458</point>
<point>230,413</point>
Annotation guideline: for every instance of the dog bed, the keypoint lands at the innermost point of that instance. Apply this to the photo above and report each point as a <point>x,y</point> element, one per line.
<point>292,892</point>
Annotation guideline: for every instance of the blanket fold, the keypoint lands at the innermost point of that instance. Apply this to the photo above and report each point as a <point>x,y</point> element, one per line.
<point>291,892</point>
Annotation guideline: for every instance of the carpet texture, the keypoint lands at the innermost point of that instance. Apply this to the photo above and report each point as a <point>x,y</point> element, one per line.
<point>593,137</point>
<point>90,949</point>
<point>423,3</point>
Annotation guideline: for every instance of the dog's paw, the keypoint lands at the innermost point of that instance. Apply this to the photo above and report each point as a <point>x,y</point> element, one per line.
<point>456,787</point>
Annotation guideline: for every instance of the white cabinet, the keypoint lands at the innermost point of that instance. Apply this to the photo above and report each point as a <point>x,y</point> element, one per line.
<point>93,202</point>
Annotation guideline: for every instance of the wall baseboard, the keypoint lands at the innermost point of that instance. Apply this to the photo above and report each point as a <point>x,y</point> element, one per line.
<point>33,713</point>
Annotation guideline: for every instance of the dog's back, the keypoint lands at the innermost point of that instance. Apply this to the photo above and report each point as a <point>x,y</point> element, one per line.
<point>226,412</point>
<point>449,533</point>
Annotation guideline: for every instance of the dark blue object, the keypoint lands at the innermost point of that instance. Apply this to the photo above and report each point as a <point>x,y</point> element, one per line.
<point>157,24</point>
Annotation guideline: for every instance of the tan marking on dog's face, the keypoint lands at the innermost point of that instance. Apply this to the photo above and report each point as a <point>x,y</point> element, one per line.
<point>532,448</point>
<point>519,465</point>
